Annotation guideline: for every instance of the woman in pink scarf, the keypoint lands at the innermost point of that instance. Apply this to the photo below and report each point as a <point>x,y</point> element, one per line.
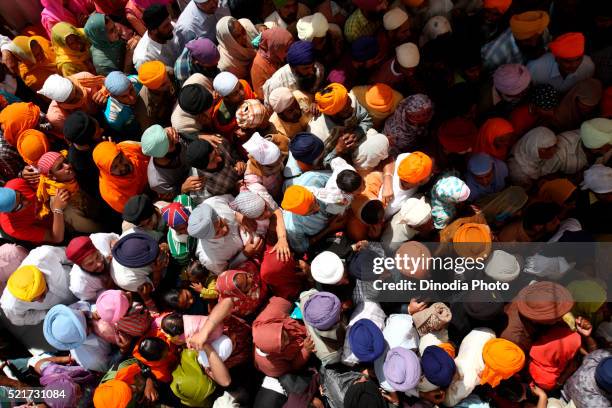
<point>74,12</point>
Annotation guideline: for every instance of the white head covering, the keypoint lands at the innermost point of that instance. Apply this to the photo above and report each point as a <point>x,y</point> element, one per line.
<point>234,57</point>
<point>545,267</point>
<point>435,27</point>
<point>263,151</point>
<point>370,152</point>
<point>223,346</point>
<point>503,267</point>
<point>311,27</point>
<point>525,161</point>
<point>469,365</point>
<point>57,88</point>
<point>596,133</point>
<point>400,332</point>
<point>598,179</point>
<point>415,212</point>
<point>408,55</point>
<point>327,268</point>
<point>280,99</point>
<point>130,278</point>
<point>432,339</point>
<point>225,82</point>
<point>394,18</point>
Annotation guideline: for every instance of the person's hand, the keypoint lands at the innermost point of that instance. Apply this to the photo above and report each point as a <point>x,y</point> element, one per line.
<point>392,397</point>
<point>252,247</point>
<point>309,344</point>
<point>583,326</point>
<point>150,392</point>
<point>283,253</point>
<point>174,134</point>
<point>214,140</point>
<point>537,391</point>
<point>10,61</point>
<point>131,44</point>
<point>314,110</point>
<point>387,191</point>
<point>163,258</point>
<point>30,175</point>
<point>145,290</point>
<point>345,143</point>
<point>60,201</point>
<point>436,396</point>
<point>240,168</point>
<point>358,246</point>
<point>198,340</point>
<point>415,306</point>
<point>197,286</point>
<point>193,183</point>
<point>100,97</point>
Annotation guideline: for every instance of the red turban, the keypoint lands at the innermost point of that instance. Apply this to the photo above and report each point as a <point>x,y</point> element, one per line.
<point>568,46</point>
<point>79,248</point>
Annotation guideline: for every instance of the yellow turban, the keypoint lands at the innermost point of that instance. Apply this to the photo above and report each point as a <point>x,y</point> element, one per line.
<point>502,360</point>
<point>528,24</point>
<point>152,74</point>
<point>27,283</point>
<point>332,99</point>
<point>298,200</point>
<point>415,168</point>
<point>379,97</point>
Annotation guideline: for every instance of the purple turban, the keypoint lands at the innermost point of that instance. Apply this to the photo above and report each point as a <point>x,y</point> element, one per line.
<point>366,340</point>
<point>438,366</point>
<point>204,51</point>
<point>511,79</point>
<point>301,53</point>
<point>364,49</point>
<point>338,76</point>
<point>135,250</point>
<point>402,369</point>
<point>66,380</point>
<point>322,310</point>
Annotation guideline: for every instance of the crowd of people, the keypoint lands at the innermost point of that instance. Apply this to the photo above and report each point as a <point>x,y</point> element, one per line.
<point>195,195</point>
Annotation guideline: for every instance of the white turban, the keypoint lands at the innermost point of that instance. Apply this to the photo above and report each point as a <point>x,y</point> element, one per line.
<point>596,133</point>
<point>598,179</point>
<point>327,268</point>
<point>394,18</point>
<point>503,267</point>
<point>545,267</point>
<point>223,346</point>
<point>399,331</point>
<point>280,99</point>
<point>435,27</point>
<point>57,88</point>
<point>263,151</point>
<point>370,152</point>
<point>415,212</point>
<point>311,27</point>
<point>225,82</point>
<point>408,55</point>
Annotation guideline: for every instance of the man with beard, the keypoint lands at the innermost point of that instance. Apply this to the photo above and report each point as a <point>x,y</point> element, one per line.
<point>524,41</point>
<point>219,171</point>
<point>301,73</point>
<point>199,57</point>
<point>287,14</point>
<point>199,20</point>
<point>398,27</point>
<point>157,97</point>
<point>366,20</point>
<point>90,274</point>
<point>288,118</point>
<point>158,42</point>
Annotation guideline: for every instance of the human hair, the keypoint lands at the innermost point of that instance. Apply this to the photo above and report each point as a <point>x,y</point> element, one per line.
<point>197,271</point>
<point>152,348</point>
<point>510,389</point>
<point>373,212</point>
<point>171,298</point>
<point>348,181</point>
<point>173,324</point>
<point>540,213</point>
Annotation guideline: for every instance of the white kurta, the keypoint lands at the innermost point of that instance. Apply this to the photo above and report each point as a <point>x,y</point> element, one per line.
<point>399,195</point>
<point>87,286</point>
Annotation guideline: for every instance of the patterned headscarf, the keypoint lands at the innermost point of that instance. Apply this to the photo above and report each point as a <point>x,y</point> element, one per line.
<point>447,192</point>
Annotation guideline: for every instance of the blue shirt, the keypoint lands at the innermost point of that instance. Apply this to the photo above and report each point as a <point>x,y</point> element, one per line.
<point>194,23</point>
<point>545,70</point>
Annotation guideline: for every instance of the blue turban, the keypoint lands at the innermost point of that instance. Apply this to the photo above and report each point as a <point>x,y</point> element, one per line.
<point>117,83</point>
<point>7,199</point>
<point>364,49</point>
<point>366,340</point>
<point>201,223</point>
<point>361,265</point>
<point>136,250</point>
<point>306,147</point>
<point>480,164</point>
<point>64,328</point>
<point>603,374</point>
<point>301,53</point>
<point>438,367</point>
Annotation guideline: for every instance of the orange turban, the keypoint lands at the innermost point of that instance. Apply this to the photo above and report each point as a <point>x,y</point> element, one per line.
<point>112,394</point>
<point>449,348</point>
<point>557,191</point>
<point>468,236</point>
<point>298,200</point>
<point>528,24</point>
<point>500,5</point>
<point>152,74</point>
<point>32,144</point>
<point>415,168</point>
<point>379,97</point>
<point>18,117</point>
<point>332,99</point>
<point>568,46</point>
<point>502,360</point>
